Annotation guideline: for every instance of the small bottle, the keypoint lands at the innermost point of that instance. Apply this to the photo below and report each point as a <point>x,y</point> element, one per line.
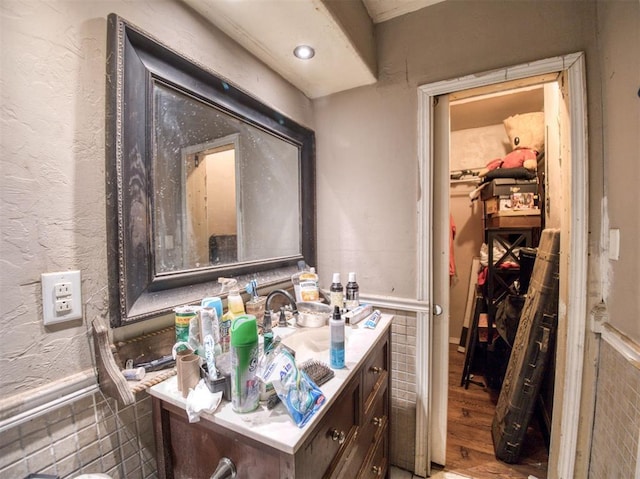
<point>352,300</point>
<point>267,332</point>
<point>336,351</point>
<point>235,305</point>
<point>309,286</point>
<point>336,292</point>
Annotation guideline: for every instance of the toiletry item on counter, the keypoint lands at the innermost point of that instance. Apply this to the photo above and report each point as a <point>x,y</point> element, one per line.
<point>256,304</point>
<point>356,315</point>
<point>156,364</point>
<point>213,302</point>
<point>336,292</point>
<point>221,384</point>
<point>295,280</point>
<point>235,308</point>
<point>267,331</point>
<point>210,339</point>
<point>352,299</point>
<point>336,333</point>
<point>318,372</point>
<point>372,321</point>
<point>135,374</point>
<point>300,395</point>
<point>235,305</point>
<point>225,331</point>
<point>309,290</point>
<point>245,391</point>
<point>183,317</point>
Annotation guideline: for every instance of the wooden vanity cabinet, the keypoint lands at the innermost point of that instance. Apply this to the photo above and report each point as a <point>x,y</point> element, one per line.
<point>350,441</point>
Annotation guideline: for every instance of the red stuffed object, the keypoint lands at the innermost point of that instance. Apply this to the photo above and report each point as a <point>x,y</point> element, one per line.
<point>526,134</point>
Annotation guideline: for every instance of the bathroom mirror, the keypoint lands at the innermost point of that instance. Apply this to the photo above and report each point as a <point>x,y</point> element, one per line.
<point>203,181</point>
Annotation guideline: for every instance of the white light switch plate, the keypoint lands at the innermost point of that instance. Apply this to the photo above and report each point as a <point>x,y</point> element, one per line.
<point>61,297</point>
<point>614,244</point>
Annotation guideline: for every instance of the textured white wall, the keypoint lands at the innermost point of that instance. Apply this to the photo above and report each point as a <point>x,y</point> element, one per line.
<point>619,57</point>
<point>470,148</point>
<point>52,181</point>
<point>367,137</point>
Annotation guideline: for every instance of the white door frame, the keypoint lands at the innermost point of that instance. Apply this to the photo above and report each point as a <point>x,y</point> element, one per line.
<point>573,312</point>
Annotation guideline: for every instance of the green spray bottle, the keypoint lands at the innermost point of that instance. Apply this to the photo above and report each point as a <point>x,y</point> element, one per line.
<point>245,385</point>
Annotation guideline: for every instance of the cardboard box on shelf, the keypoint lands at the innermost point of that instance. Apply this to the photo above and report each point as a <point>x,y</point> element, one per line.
<point>514,219</point>
<point>512,202</point>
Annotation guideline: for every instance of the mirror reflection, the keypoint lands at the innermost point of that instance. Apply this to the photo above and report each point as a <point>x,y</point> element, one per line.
<point>203,181</point>
<point>225,191</point>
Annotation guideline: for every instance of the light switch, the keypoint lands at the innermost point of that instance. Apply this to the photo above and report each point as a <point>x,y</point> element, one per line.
<point>614,244</point>
<point>61,296</point>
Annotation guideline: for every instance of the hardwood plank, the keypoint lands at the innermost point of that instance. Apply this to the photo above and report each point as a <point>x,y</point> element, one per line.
<point>469,444</point>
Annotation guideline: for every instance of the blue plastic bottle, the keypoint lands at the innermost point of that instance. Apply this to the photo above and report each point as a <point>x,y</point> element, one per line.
<point>336,350</point>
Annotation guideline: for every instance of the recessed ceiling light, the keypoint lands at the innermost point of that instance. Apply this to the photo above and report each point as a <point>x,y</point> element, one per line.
<point>304,52</point>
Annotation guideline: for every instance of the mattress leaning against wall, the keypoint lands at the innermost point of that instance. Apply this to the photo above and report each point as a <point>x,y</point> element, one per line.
<point>536,332</point>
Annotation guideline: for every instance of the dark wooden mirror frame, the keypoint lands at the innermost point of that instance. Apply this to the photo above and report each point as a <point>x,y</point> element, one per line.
<point>136,292</point>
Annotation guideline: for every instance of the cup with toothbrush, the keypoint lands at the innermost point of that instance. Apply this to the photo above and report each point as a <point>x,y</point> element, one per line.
<point>256,304</point>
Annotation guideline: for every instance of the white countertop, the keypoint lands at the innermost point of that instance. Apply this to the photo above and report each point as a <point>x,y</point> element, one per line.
<point>275,427</point>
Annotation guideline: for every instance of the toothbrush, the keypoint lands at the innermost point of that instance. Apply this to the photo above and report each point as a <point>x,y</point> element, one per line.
<point>252,289</point>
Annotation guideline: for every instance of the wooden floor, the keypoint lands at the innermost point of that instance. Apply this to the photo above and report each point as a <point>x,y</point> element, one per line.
<point>469,444</point>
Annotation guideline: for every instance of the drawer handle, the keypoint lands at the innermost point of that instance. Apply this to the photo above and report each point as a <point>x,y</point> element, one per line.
<point>336,435</point>
<point>376,370</point>
<point>377,470</point>
<point>377,421</point>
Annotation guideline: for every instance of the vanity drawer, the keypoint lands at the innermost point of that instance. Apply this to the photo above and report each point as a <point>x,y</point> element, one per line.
<point>374,426</point>
<point>377,463</point>
<point>376,419</point>
<point>324,452</point>
<point>375,372</point>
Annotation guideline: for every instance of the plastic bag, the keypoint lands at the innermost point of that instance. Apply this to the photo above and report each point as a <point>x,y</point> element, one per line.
<point>300,395</point>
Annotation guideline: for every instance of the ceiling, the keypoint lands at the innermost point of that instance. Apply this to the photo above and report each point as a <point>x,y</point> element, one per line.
<point>340,31</point>
<point>383,10</point>
<point>492,109</point>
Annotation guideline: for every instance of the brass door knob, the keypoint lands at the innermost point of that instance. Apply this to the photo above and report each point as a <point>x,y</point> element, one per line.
<point>338,436</point>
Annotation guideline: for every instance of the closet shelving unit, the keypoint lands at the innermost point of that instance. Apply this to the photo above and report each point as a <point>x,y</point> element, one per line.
<point>511,233</point>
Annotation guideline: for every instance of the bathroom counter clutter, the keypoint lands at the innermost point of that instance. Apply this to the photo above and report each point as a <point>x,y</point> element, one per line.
<point>346,436</point>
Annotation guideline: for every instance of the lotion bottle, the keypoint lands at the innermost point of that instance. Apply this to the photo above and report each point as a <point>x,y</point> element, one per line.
<point>336,292</point>
<point>336,350</point>
<point>352,300</point>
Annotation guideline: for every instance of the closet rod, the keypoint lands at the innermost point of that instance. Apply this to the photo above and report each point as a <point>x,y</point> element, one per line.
<point>474,179</point>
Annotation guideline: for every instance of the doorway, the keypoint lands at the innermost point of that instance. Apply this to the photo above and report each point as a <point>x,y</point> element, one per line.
<point>433,227</point>
<point>483,123</point>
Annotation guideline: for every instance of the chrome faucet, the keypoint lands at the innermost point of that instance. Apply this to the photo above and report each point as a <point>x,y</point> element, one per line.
<point>292,302</point>
<point>226,469</point>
